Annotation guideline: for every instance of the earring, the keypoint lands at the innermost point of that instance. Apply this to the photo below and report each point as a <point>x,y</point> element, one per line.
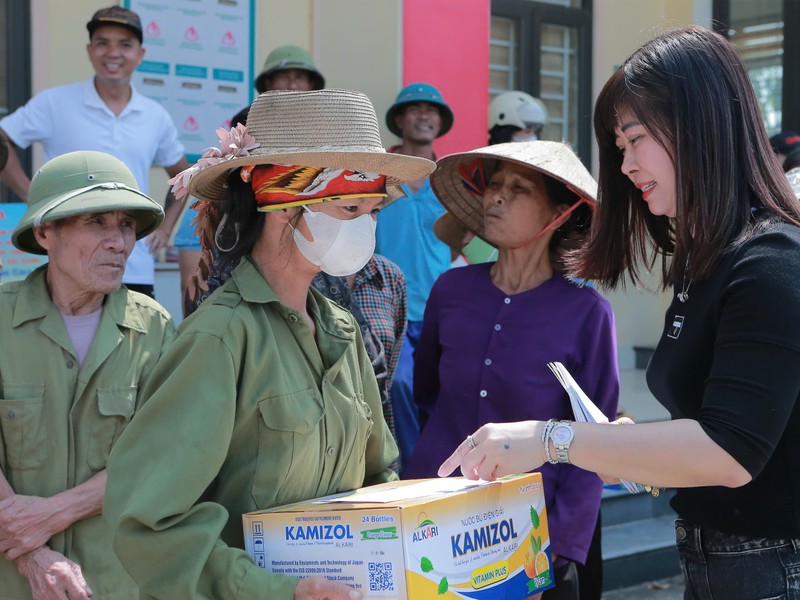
<point>219,230</point>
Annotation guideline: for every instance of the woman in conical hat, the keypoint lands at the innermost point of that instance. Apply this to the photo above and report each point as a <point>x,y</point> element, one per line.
<point>688,183</point>
<point>267,397</point>
<point>491,328</point>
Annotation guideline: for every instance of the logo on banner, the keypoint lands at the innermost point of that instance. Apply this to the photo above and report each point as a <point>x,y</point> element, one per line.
<point>228,39</point>
<point>191,35</point>
<point>152,30</point>
<point>190,124</point>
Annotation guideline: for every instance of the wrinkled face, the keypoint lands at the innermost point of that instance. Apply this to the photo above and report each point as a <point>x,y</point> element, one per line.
<point>647,164</point>
<point>87,253</point>
<point>290,79</point>
<point>515,206</point>
<point>420,122</point>
<point>114,52</point>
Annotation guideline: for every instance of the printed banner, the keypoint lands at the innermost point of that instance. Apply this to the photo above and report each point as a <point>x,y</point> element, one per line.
<point>198,63</point>
<point>16,264</point>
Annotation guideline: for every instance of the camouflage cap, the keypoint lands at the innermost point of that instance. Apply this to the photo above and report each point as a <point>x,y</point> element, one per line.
<point>116,15</point>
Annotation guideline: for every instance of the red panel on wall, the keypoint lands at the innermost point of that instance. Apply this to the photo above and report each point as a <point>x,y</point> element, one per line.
<point>446,44</point>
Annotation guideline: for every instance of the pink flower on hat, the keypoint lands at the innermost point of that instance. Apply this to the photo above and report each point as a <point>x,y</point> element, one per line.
<point>232,144</point>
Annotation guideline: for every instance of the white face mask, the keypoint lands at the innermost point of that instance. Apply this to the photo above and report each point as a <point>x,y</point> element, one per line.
<point>524,135</point>
<point>340,247</point>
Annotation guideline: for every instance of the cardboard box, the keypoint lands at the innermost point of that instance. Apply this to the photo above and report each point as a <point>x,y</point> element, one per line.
<point>431,538</point>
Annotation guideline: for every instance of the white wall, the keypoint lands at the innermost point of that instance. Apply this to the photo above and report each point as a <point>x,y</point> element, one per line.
<point>619,28</point>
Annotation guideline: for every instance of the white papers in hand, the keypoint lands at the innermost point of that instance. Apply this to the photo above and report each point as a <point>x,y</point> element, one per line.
<point>583,408</point>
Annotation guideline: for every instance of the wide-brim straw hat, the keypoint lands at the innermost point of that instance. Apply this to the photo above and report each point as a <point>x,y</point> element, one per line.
<point>328,128</point>
<point>551,159</point>
<point>83,182</point>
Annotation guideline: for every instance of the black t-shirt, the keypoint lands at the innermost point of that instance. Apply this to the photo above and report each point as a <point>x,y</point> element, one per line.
<point>729,357</point>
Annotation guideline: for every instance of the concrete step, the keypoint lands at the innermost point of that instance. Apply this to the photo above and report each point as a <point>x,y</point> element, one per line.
<point>638,539</point>
<point>620,506</point>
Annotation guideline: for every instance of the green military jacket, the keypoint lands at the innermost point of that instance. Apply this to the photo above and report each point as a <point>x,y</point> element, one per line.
<point>59,420</point>
<point>246,411</point>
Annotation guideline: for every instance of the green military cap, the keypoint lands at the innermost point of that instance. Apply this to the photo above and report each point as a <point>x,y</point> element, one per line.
<point>289,57</point>
<point>79,183</point>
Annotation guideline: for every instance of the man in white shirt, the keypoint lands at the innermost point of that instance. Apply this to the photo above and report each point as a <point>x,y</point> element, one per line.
<point>106,114</point>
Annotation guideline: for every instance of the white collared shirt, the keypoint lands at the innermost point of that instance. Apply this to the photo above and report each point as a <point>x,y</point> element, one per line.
<point>73,117</point>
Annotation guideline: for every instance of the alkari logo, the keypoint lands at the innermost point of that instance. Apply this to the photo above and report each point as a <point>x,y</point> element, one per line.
<point>152,30</point>
<point>426,529</point>
<point>190,124</point>
<point>228,39</point>
<point>191,35</point>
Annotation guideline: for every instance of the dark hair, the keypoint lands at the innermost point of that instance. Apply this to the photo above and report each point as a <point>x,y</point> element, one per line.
<point>579,220</point>
<point>500,134</point>
<point>792,160</point>
<point>691,92</point>
<point>240,225</point>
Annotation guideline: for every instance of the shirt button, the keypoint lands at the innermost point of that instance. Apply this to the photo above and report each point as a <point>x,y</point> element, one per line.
<point>484,393</point>
<point>498,327</point>
<point>293,318</point>
<point>507,300</point>
<point>70,364</point>
<point>331,451</point>
<point>487,362</point>
<point>11,414</point>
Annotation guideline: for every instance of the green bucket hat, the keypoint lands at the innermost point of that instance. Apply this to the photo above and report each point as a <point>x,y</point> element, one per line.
<point>80,183</point>
<point>288,57</point>
<point>419,92</point>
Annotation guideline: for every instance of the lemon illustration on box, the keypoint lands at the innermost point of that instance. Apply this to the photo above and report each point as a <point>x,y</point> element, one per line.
<point>430,538</point>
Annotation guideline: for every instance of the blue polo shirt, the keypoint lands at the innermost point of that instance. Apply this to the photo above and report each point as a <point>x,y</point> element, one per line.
<point>405,236</point>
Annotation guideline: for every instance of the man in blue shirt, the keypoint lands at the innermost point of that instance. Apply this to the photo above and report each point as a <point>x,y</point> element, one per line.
<point>405,236</point>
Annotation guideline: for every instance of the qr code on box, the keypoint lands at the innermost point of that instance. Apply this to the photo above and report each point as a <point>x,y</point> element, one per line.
<point>381,577</point>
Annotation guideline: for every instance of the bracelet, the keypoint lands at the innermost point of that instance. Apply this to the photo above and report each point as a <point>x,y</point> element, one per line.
<point>546,440</point>
<point>653,490</point>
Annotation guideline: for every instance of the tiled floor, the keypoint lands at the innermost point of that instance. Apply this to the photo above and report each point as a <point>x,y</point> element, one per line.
<point>664,589</point>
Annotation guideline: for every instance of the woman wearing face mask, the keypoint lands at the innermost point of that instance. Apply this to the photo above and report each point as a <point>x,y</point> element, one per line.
<point>268,397</point>
<point>490,329</point>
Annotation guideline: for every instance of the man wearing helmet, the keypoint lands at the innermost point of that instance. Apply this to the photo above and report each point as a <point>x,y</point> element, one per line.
<point>77,349</point>
<point>516,117</point>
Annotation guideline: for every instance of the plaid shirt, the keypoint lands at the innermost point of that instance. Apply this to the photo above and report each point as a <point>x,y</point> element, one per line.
<point>380,290</point>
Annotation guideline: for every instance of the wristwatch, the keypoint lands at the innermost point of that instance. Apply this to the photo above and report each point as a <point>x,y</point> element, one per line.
<point>561,433</point>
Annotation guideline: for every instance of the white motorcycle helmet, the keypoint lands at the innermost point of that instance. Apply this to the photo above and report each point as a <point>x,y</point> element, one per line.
<point>517,109</point>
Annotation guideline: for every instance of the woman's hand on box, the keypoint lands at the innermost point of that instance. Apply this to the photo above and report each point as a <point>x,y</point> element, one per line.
<point>496,450</point>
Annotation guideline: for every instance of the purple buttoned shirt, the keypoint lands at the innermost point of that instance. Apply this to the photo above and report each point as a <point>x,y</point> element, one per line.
<point>482,357</point>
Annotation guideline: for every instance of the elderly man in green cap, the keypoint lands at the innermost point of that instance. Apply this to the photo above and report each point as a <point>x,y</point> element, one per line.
<point>77,348</point>
<point>286,68</point>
